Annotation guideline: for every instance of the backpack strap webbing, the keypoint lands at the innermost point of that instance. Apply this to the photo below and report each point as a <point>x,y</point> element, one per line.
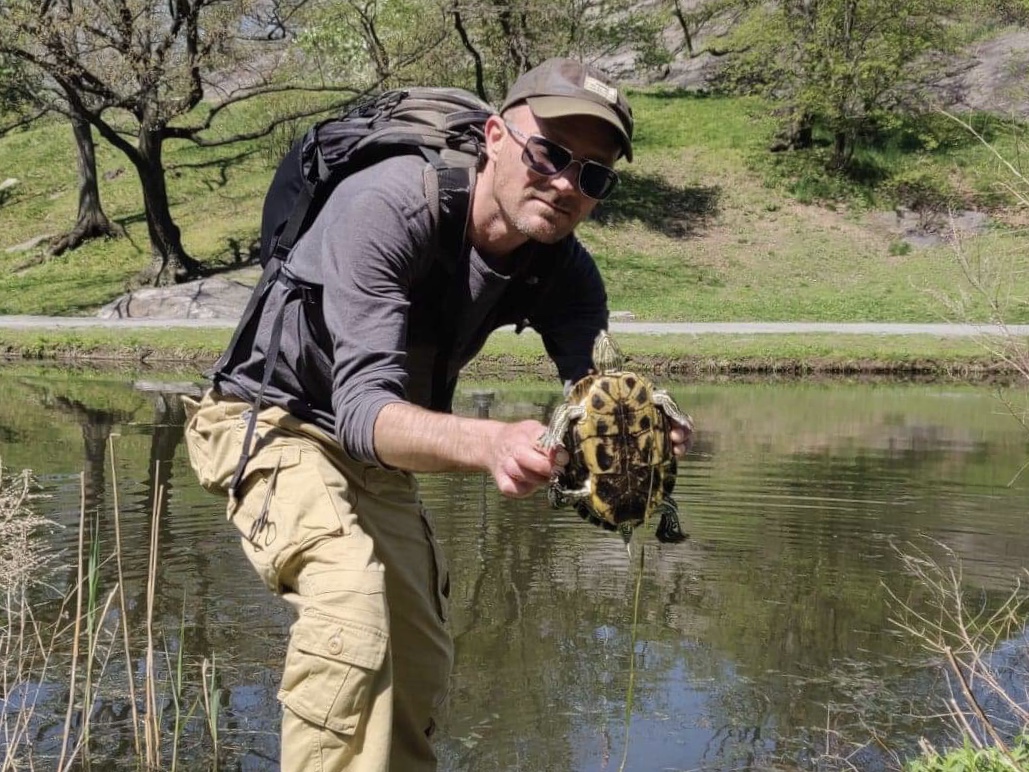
<point>454,188</point>
<point>295,289</point>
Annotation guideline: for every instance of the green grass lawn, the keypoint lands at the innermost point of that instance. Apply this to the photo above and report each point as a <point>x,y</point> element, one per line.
<point>707,225</point>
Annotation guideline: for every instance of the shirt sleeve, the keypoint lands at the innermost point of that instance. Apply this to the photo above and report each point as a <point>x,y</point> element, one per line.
<point>373,244</point>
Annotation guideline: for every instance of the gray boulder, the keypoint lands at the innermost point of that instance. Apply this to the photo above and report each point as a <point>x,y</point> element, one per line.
<point>211,298</point>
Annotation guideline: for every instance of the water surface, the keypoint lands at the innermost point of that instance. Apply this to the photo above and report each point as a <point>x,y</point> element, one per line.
<point>765,638</point>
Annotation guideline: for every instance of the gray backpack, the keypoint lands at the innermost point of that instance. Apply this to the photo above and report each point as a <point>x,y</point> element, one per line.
<point>443,125</point>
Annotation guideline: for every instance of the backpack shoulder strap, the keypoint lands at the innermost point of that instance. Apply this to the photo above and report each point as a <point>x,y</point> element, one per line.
<point>273,272</point>
<point>449,192</point>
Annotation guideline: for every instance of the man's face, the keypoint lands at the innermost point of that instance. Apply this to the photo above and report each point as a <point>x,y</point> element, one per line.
<point>542,208</point>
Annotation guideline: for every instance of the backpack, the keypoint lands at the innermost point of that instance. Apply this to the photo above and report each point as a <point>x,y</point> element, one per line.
<point>443,125</point>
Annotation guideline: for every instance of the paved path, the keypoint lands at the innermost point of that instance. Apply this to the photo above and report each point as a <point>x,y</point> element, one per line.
<point>787,328</point>
<point>649,328</point>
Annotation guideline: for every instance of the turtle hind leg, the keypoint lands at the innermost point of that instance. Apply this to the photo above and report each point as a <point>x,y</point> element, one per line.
<point>669,530</point>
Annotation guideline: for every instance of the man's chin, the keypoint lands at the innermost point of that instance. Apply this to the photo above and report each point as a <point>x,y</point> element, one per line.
<point>546,230</point>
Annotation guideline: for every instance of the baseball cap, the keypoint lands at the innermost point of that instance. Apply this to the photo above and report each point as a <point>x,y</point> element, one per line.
<point>560,87</point>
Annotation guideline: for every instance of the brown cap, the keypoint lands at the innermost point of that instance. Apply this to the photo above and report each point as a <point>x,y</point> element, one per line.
<point>561,87</point>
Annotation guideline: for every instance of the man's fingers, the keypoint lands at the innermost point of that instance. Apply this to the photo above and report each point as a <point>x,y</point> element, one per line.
<point>561,457</point>
<point>680,437</point>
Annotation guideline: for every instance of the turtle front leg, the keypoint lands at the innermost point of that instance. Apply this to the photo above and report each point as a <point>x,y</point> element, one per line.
<point>669,530</point>
<point>559,421</point>
<point>664,400</point>
<point>562,497</point>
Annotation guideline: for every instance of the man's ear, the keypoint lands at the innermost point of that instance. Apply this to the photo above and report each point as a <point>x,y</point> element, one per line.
<point>494,131</point>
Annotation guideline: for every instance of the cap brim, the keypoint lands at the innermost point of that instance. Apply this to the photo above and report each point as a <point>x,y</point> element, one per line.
<point>561,107</point>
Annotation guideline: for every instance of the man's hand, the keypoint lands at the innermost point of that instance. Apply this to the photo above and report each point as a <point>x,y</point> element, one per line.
<point>681,436</point>
<point>419,440</point>
<point>519,465</point>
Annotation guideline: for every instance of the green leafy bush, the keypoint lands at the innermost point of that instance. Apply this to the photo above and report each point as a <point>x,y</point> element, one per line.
<point>968,758</point>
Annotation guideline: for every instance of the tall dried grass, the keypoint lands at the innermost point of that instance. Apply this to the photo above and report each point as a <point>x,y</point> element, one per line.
<point>24,642</point>
<point>988,702</point>
<point>75,655</point>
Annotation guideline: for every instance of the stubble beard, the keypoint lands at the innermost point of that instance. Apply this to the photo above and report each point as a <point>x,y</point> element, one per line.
<point>528,220</point>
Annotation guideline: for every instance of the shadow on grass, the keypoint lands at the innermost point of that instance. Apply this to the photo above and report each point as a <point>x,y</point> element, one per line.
<point>222,163</point>
<point>673,211</point>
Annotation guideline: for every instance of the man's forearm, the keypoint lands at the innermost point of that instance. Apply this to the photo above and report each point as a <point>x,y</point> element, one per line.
<point>419,440</point>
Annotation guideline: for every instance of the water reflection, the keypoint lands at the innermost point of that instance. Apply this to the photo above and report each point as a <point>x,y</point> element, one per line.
<point>765,637</point>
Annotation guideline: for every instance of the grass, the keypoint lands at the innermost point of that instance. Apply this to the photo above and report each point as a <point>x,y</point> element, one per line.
<point>707,225</point>
<point>969,758</point>
<point>191,351</point>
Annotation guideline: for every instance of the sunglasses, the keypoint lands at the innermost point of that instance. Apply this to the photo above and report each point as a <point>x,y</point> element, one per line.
<point>549,159</point>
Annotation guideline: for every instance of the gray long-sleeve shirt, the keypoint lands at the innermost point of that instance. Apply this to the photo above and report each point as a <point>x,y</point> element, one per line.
<point>386,305</point>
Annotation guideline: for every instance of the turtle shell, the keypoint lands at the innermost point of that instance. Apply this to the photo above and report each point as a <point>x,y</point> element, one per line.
<point>619,449</point>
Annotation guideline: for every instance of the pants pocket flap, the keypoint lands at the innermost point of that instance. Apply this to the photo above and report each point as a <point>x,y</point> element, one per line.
<point>330,669</point>
<point>282,456</point>
<point>342,640</point>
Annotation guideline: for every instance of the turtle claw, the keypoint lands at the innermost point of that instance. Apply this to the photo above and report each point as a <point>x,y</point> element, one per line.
<point>626,530</point>
<point>669,530</point>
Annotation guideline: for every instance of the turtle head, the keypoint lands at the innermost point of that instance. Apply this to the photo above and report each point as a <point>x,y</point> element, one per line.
<point>607,357</point>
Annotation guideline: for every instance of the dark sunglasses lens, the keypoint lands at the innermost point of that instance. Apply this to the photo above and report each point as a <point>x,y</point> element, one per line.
<point>548,158</point>
<point>545,157</point>
<point>596,180</point>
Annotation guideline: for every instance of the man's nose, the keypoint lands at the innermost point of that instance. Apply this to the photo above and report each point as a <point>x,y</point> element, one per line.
<point>568,179</point>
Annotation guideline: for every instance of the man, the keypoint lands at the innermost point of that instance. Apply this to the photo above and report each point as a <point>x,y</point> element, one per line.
<point>327,507</point>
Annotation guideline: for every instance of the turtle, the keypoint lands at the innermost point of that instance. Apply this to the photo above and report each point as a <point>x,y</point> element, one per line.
<point>615,427</point>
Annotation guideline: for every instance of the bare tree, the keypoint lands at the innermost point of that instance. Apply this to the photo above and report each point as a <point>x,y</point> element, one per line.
<point>387,42</point>
<point>134,69</point>
<point>504,38</point>
<point>697,18</point>
<point>482,45</point>
<point>25,97</point>
<point>91,221</point>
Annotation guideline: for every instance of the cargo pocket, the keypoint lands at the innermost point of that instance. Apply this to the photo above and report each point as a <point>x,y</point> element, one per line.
<point>330,670</point>
<point>196,444</point>
<point>263,513</point>
<point>213,436</point>
<point>440,570</point>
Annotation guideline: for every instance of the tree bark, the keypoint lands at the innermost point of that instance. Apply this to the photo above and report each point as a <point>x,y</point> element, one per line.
<point>842,150</point>
<point>91,222</point>
<point>170,263</point>
<point>480,70</point>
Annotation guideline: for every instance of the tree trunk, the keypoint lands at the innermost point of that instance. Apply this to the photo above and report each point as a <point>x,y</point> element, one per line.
<point>684,25</point>
<point>169,264</point>
<point>92,222</point>
<point>480,70</point>
<point>513,37</point>
<point>842,150</point>
<point>795,135</point>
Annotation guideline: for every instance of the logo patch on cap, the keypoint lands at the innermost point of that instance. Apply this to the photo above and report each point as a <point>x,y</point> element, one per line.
<point>602,89</point>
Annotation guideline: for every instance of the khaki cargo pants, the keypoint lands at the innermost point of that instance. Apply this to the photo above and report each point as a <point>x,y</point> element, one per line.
<point>351,548</point>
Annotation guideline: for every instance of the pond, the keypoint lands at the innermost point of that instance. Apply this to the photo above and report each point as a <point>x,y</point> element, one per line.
<point>770,637</point>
